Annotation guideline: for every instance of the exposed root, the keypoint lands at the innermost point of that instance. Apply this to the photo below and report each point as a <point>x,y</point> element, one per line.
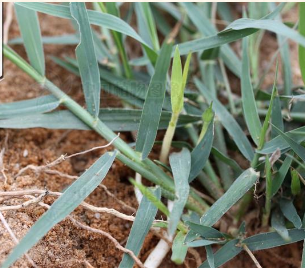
<point>16,241</point>
<point>252,256</point>
<point>42,193</point>
<point>47,167</point>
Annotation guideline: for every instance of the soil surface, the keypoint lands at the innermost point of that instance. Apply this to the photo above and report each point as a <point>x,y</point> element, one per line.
<point>66,245</point>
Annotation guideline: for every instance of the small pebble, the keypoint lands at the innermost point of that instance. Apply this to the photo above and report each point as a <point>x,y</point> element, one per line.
<point>25,153</point>
<point>97,215</point>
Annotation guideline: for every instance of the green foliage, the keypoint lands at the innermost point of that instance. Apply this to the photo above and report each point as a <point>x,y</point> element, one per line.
<point>209,124</point>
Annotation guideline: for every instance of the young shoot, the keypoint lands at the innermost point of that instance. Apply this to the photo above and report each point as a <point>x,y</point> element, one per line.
<point>178,82</point>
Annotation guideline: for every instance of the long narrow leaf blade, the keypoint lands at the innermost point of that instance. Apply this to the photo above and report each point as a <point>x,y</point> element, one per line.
<point>201,152</point>
<point>28,107</point>
<point>86,58</point>
<point>63,206</point>
<point>228,122</point>
<point>30,32</point>
<point>237,190</point>
<point>248,100</point>
<point>153,103</point>
<point>116,119</point>
<point>145,216</point>
<point>181,166</point>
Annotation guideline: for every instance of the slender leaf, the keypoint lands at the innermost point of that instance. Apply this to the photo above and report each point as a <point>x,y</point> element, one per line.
<point>280,176</point>
<point>63,206</point>
<point>205,231</point>
<point>297,148</point>
<point>144,218</point>
<point>210,256</point>
<point>248,100</point>
<point>229,161</point>
<point>237,190</point>
<point>201,152</point>
<point>207,28</point>
<point>179,249</point>
<point>276,115</point>
<point>181,166</point>
<point>30,32</point>
<point>65,39</point>
<point>273,239</point>
<point>86,58</point>
<point>115,118</point>
<point>290,212</point>
<point>266,24</point>
<point>28,107</point>
<point>177,83</point>
<point>153,103</point>
<point>148,23</point>
<point>278,223</point>
<point>224,254</point>
<point>228,122</point>
<point>295,182</point>
<point>97,18</point>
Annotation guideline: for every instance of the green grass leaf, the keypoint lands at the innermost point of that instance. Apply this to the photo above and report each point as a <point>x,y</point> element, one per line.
<point>205,231</point>
<point>229,161</point>
<point>228,122</point>
<point>237,190</point>
<point>276,115</point>
<point>210,256</point>
<point>179,249</point>
<point>97,18</point>
<point>201,152</point>
<point>298,135</point>
<point>297,148</point>
<point>153,103</point>
<point>116,119</point>
<point>223,37</point>
<point>181,165</point>
<point>177,83</point>
<point>28,107</point>
<point>87,60</point>
<point>273,239</point>
<point>63,206</point>
<point>205,26</point>
<point>148,24</point>
<point>302,32</point>
<point>295,182</point>
<point>290,212</point>
<point>30,32</point>
<point>278,223</point>
<point>145,216</point>
<point>275,26</point>
<point>280,175</point>
<point>248,100</point>
<point>224,254</point>
<point>65,39</point>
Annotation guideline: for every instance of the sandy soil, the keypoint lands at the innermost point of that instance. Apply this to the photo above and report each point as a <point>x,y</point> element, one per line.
<point>66,245</point>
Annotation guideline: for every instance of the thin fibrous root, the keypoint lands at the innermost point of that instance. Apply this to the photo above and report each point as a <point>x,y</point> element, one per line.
<point>43,193</point>
<point>245,247</point>
<point>47,167</point>
<point>109,236</point>
<point>16,241</point>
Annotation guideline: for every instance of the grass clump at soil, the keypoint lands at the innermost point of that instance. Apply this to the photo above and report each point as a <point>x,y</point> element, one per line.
<point>226,176</point>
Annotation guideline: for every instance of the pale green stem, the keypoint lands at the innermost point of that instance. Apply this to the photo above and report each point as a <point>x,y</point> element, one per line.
<point>132,157</point>
<point>167,141</point>
<point>228,87</point>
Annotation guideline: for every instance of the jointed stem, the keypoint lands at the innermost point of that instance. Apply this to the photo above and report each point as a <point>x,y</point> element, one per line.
<point>127,155</point>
